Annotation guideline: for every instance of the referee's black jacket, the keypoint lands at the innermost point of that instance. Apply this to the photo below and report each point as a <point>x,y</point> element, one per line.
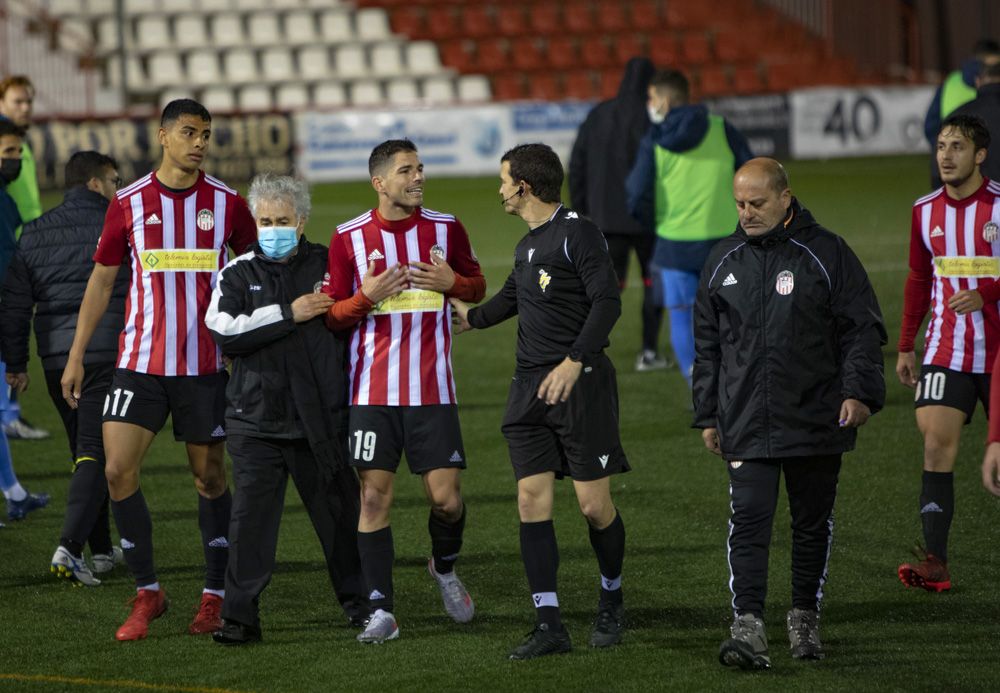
<point>564,291</point>
<point>48,276</point>
<point>787,327</point>
<point>288,379</point>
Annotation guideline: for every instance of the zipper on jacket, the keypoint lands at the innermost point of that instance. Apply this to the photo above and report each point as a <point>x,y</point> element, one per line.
<point>763,337</point>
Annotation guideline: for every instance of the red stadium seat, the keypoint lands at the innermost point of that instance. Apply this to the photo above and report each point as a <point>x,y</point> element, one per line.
<point>691,15</point>
<point>408,21</point>
<point>544,19</point>
<point>508,86</point>
<point>608,83</point>
<point>442,22</point>
<point>457,54</point>
<point>579,84</point>
<point>544,86</point>
<point>790,75</point>
<point>644,15</point>
<point>511,20</point>
<point>627,46</point>
<point>610,17</point>
<point>477,20</point>
<point>696,48</point>
<point>578,17</point>
<point>713,80</point>
<point>526,54</point>
<point>492,55</point>
<point>735,45</point>
<point>746,80</point>
<point>594,52</point>
<point>561,52</point>
<point>663,50</point>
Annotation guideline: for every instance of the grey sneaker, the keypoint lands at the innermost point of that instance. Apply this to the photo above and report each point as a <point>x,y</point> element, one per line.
<point>608,625</point>
<point>105,562</point>
<point>747,648</point>
<point>457,601</point>
<point>19,429</point>
<point>66,565</point>
<point>649,360</point>
<point>381,627</point>
<point>803,634</point>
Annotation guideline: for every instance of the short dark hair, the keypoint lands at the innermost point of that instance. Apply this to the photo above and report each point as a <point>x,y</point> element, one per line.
<point>971,126</point>
<point>83,166</point>
<point>672,81</point>
<point>538,166</point>
<point>9,127</point>
<point>181,107</point>
<point>986,46</point>
<point>383,153</point>
<point>990,72</point>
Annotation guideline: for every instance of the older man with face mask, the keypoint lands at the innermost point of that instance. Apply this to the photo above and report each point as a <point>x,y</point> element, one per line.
<point>286,406</point>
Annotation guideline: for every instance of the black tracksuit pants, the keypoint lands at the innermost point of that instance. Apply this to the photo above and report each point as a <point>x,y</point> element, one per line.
<point>260,475</point>
<point>811,486</point>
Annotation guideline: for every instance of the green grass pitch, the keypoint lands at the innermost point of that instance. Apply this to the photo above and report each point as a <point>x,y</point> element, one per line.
<point>879,635</point>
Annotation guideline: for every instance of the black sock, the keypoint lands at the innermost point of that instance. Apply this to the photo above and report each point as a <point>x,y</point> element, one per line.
<point>213,521</point>
<point>88,488</point>
<point>135,527</point>
<point>100,536</point>
<point>377,556</point>
<point>609,545</point>
<point>446,541</point>
<point>937,505</point>
<point>540,554</point>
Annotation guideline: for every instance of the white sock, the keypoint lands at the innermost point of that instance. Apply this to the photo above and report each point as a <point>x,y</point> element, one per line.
<point>221,594</point>
<point>155,587</point>
<point>16,492</point>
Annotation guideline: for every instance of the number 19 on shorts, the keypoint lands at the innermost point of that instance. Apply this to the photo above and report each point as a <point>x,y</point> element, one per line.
<point>118,398</point>
<point>363,445</point>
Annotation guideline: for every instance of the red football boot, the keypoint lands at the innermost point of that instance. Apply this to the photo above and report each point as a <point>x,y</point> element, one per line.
<point>146,605</point>
<point>930,573</point>
<point>209,616</point>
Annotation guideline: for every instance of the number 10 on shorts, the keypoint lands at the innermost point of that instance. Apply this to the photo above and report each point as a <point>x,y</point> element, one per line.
<point>933,386</point>
<point>122,397</point>
<point>364,445</point>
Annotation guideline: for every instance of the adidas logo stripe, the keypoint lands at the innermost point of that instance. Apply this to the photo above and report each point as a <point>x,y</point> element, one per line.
<point>152,219</point>
<point>455,457</point>
<point>730,280</point>
<point>219,432</point>
<point>375,255</point>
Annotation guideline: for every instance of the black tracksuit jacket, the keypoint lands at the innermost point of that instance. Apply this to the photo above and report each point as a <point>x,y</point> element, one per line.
<point>773,367</point>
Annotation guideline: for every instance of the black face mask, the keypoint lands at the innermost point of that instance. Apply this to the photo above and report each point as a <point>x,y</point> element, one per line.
<point>10,169</point>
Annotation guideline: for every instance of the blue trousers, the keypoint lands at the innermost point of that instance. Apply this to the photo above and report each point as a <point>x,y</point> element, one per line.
<point>679,291</point>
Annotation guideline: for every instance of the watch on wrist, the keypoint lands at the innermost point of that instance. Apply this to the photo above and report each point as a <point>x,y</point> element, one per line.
<point>576,356</point>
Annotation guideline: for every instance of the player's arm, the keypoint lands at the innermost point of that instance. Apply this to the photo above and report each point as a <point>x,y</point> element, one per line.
<point>502,306</point>
<point>991,459</point>
<point>16,306</point>
<point>862,335</point>
<point>352,306</point>
<point>244,227</point>
<point>707,362</point>
<point>916,302</point>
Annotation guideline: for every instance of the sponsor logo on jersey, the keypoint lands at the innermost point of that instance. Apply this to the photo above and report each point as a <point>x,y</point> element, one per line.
<point>785,283</point>
<point>438,251</point>
<point>375,255</point>
<point>255,287</point>
<point>729,281</point>
<point>937,232</point>
<point>152,219</point>
<point>543,279</point>
<point>531,251</point>
<point>603,459</point>
<point>990,231</point>
<point>206,220</point>
<point>736,464</point>
<point>572,215</point>
<point>317,287</point>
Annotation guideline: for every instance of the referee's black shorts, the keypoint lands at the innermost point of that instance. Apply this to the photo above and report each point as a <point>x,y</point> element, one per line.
<point>578,437</point>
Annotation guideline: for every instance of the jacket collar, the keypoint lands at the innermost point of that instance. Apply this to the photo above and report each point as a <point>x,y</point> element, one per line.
<point>81,193</point>
<point>798,218</point>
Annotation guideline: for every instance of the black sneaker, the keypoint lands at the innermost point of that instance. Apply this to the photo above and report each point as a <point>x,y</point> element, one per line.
<point>543,640</point>
<point>233,633</point>
<point>608,625</point>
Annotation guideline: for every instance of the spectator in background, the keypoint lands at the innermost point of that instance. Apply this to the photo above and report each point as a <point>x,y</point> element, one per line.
<point>986,105</point>
<point>47,279</point>
<point>958,88</point>
<point>681,186</point>
<point>602,156</point>
<point>19,501</point>
<point>16,97</point>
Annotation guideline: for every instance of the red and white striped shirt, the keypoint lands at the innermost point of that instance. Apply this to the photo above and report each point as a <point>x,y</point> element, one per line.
<point>945,228</point>
<point>403,357</point>
<point>176,243</point>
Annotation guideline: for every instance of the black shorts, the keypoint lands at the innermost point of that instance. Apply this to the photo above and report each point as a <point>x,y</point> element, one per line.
<point>429,435</point>
<point>196,403</point>
<point>578,437</point>
<point>939,386</point>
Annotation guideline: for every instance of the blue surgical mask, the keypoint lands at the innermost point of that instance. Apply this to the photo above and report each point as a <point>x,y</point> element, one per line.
<point>277,242</point>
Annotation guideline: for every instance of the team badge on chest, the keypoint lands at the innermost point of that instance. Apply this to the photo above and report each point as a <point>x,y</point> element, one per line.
<point>543,279</point>
<point>206,220</point>
<point>785,283</point>
<point>990,231</point>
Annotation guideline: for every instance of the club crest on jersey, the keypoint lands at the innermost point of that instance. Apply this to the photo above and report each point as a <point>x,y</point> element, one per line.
<point>206,220</point>
<point>543,279</point>
<point>990,231</point>
<point>317,287</point>
<point>785,283</point>
<point>438,251</point>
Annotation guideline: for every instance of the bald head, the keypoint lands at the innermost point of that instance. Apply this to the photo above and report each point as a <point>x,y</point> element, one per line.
<point>760,188</point>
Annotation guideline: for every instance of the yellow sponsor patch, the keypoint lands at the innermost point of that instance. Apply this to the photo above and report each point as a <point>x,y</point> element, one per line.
<point>410,301</point>
<point>179,260</point>
<point>967,266</point>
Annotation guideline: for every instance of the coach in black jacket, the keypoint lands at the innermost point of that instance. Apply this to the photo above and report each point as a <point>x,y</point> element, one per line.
<point>47,277</point>
<point>286,406</point>
<point>788,335</point>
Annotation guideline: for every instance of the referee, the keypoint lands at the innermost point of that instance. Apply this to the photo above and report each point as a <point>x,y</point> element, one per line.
<point>562,410</point>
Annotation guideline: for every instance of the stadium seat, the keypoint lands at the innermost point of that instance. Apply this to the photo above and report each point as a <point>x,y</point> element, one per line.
<point>746,79</point>
<point>402,92</point>
<point>608,83</point>
<point>473,89</point>
<point>168,71</point>
<point>422,58</point>
<point>255,97</point>
<point>164,69</point>
<point>442,22</point>
<point>690,15</point>
<point>713,80</point>
<point>594,52</point>
<point>351,61</point>
<point>174,93</point>
<point>508,87</point>
<point>203,67</point>
<point>386,60</point>
<point>218,99</point>
<point>510,20</point>
<point>291,97</point>
<point>578,18</point>
<point>240,65</point>
<point>544,86</point>
<point>579,84</point>
<point>610,17</point>
<point>439,90</point>
<point>300,28</point>
<point>135,8</point>
<point>790,75</point>
<point>408,21</point>
<point>526,53</point>
<point>329,95</point>
<point>63,8</point>
<point>178,6</point>
<point>190,31</point>
<point>561,52</point>
<point>74,35</point>
<point>492,56</point>
<point>458,54</point>
<point>477,20</point>
<point>314,62</point>
<point>372,24</point>
<point>276,64</point>
<point>644,15</point>
<point>107,35</point>
<point>734,45</point>
<point>628,45</point>
<point>263,29</point>
<point>100,8</point>
<point>544,18</point>
<point>214,5</point>
<point>336,27</point>
<point>227,30</point>
<point>366,93</point>
<point>695,48</point>
<point>244,5</point>
<point>663,49</point>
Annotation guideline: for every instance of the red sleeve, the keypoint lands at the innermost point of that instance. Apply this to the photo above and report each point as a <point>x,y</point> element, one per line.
<point>917,292</point>
<point>989,289</point>
<point>243,231</point>
<point>113,244</point>
<point>470,284</point>
<point>338,284</point>
<point>348,313</point>
<point>994,431</point>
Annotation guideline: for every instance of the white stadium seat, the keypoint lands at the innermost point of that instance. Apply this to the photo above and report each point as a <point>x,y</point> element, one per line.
<point>335,26</point>
<point>63,8</point>
<point>179,6</point>
<point>252,4</point>
<point>203,67</point>
<point>174,93</point>
<point>107,34</point>
<point>264,29</point>
<point>75,35</point>
<point>218,99</point>
<point>329,95</point>
<point>152,32</point>
<point>100,8</point>
<point>314,62</point>
<point>240,65</point>
<point>422,58</point>
<point>165,69</point>
<point>292,97</point>
<point>135,78</point>
<point>300,28</point>
<point>366,93</point>
<point>277,65</point>
<point>439,89</point>
<point>255,97</point>
<point>402,92</point>
<point>372,24</point>
<point>227,30</point>
<point>190,31</point>
<point>135,8</point>
<point>472,88</point>
<point>206,6</point>
<point>386,60</point>
<point>351,61</point>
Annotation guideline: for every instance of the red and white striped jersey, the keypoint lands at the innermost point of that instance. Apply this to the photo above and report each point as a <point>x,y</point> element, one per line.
<point>176,244</point>
<point>400,353</point>
<point>944,228</point>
